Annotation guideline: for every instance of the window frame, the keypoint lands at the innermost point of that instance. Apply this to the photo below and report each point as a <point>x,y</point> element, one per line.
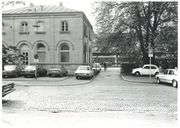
<point>64,28</point>
<point>38,29</point>
<point>64,51</point>
<point>24,28</point>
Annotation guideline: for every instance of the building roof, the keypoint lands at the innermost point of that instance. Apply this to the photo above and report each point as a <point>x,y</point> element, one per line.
<point>42,9</point>
<point>39,9</point>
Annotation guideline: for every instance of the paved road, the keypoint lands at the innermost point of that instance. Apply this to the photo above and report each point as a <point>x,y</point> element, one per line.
<point>106,93</point>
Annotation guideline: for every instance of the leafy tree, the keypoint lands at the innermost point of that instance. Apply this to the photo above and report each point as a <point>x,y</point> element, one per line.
<point>143,23</point>
<point>11,55</point>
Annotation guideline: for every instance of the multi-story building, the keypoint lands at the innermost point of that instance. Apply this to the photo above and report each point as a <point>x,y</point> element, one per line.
<point>57,34</point>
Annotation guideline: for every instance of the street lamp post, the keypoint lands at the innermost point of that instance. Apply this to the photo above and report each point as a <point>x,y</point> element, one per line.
<point>36,60</point>
<point>150,54</point>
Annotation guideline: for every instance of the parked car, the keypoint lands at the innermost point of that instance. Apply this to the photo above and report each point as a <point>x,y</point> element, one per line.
<point>147,69</point>
<point>96,67</point>
<point>84,72</point>
<point>11,70</point>
<point>57,72</point>
<point>29,70</point>
<point>7,88</point>
<point>169,76</point>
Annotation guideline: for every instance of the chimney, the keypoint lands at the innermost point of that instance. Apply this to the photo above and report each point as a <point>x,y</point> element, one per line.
<point>31,5</point>
<point>60,4</point>
<point>42,7</point>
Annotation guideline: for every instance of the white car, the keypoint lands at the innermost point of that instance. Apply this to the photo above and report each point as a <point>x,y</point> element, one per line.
<point>84,72</point>
<point>147,69</point>
<point>96,67</point>
<point>169,76</point>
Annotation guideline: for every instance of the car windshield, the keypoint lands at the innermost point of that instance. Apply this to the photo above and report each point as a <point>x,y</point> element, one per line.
<point>30,68</point>
<point>95,65</point>
<point>10,67</point>
<point>84,68</point>
<point>54,69</point>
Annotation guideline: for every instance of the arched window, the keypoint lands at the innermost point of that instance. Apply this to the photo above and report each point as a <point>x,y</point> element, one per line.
<point>24,27</point>
<point>24,48</point>
<point>64,53</point>
<point>41,51</point>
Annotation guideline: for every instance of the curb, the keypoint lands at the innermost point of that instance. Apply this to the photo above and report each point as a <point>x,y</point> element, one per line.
<point>133,81</point>
<point>48,80</point>
<point>85,83</point>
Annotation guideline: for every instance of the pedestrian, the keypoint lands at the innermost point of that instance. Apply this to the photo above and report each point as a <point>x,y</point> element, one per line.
<point>105,66</point>
<point>161,69</point>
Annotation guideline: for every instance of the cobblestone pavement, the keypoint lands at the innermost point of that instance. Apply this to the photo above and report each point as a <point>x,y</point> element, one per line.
<point>107,92</point>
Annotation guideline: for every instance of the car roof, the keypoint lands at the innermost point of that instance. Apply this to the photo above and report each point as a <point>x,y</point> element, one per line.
<point>149,65</point>
<point>10,65</point>
<point>171,69</point>
<point>84,66</point>
<point>54,68</point>
<point>29,65</point>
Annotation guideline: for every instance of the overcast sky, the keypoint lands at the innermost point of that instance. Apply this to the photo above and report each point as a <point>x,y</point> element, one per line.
<point>80,5</point>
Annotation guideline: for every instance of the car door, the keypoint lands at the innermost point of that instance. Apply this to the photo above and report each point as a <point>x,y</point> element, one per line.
<point>146,70</point>
<point>163,77</point>
<point>153,70</point>
<point>170,76</point>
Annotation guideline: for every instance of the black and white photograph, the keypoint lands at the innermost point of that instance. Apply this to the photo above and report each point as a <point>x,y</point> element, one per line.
<point>89,64</point>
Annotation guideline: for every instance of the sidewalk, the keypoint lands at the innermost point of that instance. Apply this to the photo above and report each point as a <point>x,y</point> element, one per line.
<point>138,79</point>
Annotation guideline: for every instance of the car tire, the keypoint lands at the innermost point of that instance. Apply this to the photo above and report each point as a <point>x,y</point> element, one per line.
<point>156,73</point>
<point>137,73</point>
<point>158,81</point>
<point>77,77</point>
<point>174,83</point>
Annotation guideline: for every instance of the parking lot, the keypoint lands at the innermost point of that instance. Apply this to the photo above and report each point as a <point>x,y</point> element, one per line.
<point>107,92</point>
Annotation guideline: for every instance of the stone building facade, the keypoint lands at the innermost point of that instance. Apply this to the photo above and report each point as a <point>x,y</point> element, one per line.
<point>57,34</point>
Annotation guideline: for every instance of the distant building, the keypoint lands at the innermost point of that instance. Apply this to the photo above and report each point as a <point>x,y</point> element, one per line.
<point>57,34</point>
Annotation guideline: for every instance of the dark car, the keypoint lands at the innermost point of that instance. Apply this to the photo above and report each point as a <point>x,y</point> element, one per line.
<point>29,71</point>
<point>61,71</point>
<point>7,88</point>
<point>11,71</point>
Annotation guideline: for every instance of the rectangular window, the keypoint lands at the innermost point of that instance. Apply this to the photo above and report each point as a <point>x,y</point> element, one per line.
<point>40,27</point>
<point>64,26</point>
<point>85,30</point>
<point>89,35</point>
<point>24,28</point>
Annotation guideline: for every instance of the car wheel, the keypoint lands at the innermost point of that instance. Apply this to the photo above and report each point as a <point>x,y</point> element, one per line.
<point>174,83</point>
<point>156,73</point>
<point>137,73</point>
<point>77,77</point>
<point>158,81</point>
